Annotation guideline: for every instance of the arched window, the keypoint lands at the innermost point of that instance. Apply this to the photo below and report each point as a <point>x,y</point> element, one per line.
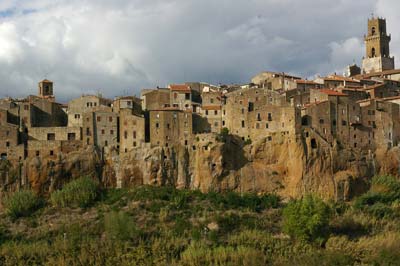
<point>383,51</point>
<point>373,31</point>
<point>373,52</point>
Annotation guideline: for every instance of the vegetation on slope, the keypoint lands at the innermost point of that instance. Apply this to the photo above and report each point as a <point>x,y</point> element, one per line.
<point>165,226</point>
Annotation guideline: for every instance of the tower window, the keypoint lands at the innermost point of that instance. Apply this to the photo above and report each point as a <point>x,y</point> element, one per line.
<point>373,31</point>
<point>373,52</point>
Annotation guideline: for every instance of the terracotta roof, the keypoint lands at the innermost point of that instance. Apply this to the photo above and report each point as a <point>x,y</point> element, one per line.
<point>180,87</point>
<point>167,109</point>
<point>340,78</point>
<point>383,73</point>
<point>279,74</point>
<point>302,81</point>
<point>314,103</point>
<point>211,107</point>
<point>332,92</point>
<point>391,98</point>
<point>374,86</point>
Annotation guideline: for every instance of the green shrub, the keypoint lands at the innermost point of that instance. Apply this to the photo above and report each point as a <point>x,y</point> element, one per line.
<point>307,219</point>
<point>233,200</point>
<point>120,225</point>
<point>81,192</point>
<point>223,135</point>
<point>21,203</point>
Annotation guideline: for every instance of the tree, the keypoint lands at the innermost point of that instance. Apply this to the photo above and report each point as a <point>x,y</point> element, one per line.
<point>307,219</point>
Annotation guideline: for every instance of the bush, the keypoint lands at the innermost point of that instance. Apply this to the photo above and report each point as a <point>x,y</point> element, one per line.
<point>21,203</point>
<point>223,135</point>
<point>307,219</point>
<point>120,225</point>
<point>233,200</point>
<point>81,192</point>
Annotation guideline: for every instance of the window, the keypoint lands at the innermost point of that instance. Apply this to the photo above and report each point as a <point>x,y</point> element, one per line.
<point>242,110</point>
<point>110,119</point>
<point>257,125</point>
<point>134,134</point>
<point>215,112</point>
<point>269,117</point>
<point>125,134</point>
<point>355,136</point>
<point>134,144</point>
<point>168,126</point>
<point>321,121</point>
<point>223,123</point>
<point>187,96</point>
<point>313,144</point>
<point>87,131</point>
<point>111,132</point>
<point>51,153</point>
<point>37,153</point>
<point>259,117</point>
<point>215,124</point>
<point>77,116</point>
<point>243,125</point>
<point>157,125</point>
<point>206,112</point>
<point>211,100</point>
<point>7,144</point>
<point>266,125</point>
<point>103,132</point>
<point>129,103</point>
<point>71,136</point>
<point>98,119</point>
<point>106,143</point>
<point>175,95</point>
<point>344,123</point>
<point>51,136</point>
<point>283,124</point>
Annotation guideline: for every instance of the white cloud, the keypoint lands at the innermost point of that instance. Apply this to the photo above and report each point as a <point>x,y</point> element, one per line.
<point>125,45</point>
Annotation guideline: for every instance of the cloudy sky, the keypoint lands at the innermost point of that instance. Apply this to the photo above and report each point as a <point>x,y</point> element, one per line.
<point>118,47</point>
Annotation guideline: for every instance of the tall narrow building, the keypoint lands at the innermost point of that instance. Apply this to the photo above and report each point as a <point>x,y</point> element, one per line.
<point>377,47</point>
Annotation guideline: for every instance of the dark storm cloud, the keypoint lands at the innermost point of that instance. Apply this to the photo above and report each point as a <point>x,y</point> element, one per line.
<point>119,47</point>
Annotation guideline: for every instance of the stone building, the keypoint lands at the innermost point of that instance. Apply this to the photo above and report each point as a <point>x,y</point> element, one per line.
<point>100,128</point>
<point>377,47</point>
<point>181,96</point>
<point>247,111</point>
<point>85,103</point>
<point>170,126</point>
<point>336,81</point>
<point>210,116</point>
<point>127,102</point>
<point>275,81</point>
<point>155,99</point>
<point>131,130</point>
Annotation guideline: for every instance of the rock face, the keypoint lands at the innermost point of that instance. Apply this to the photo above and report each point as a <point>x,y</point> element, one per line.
<point>288,166</point>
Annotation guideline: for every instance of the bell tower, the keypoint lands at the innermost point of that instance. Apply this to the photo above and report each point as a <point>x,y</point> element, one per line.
<point>377,47</point>
<point>46,89</point>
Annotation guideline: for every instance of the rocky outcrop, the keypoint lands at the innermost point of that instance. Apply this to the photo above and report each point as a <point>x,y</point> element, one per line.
<point>288,166</point>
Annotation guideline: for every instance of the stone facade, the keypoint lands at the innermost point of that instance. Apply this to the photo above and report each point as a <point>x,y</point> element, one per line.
<point>83,104</point>
<point>100,128</point>
<point>170,127</point>
<point>131,130</point>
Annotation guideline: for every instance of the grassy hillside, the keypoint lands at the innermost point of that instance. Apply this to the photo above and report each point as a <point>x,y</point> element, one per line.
<point>83,225</point>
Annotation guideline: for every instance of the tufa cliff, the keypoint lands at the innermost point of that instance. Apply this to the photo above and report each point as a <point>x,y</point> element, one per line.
<point>288,166</point>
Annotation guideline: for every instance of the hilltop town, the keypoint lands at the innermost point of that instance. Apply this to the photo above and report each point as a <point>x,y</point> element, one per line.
<point>274,134</point>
